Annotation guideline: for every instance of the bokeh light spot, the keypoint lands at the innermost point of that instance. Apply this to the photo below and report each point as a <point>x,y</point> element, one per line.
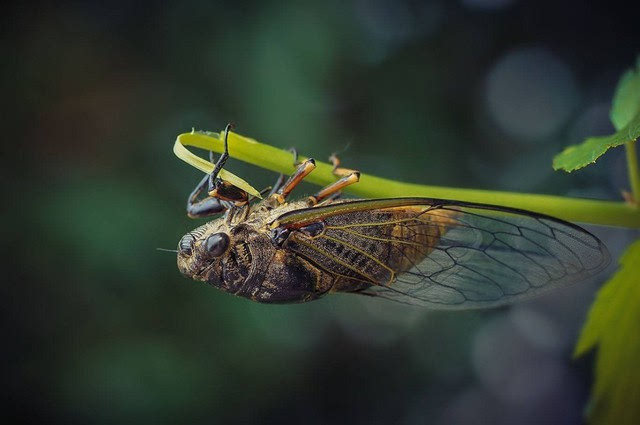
<point>510,366</point>
<point>530,94</point>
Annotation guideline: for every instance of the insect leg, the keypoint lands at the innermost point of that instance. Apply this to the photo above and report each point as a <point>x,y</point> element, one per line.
<point>348,176</point>
<point>221,189</point>
<point>337,169</point>
<point>301,172</point>
<point>225,155</point>
<point>294,152</point>
<point>277,185</point>
<point>280,181</point>
<point>334,188</point>
<point>227,192</point>
<point>197,208</point>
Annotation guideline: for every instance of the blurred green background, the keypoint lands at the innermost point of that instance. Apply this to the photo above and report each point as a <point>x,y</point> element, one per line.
<point>101,328</point>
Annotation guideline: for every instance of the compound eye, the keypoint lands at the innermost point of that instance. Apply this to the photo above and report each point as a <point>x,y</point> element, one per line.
<point>217,244</point>
<point>186,244</point>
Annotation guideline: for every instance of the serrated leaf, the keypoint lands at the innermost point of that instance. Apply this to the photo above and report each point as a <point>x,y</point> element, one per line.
<point>578,156</point>
<point>207,141</point>
<point>613,327</point>
<point>625,116</point>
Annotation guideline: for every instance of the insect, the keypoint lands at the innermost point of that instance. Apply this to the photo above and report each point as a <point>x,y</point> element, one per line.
<point>431,252</point>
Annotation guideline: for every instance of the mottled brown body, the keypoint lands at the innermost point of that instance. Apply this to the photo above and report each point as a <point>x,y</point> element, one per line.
<point>435,253</point>
<point>346,252</point>
<point>431,252</point>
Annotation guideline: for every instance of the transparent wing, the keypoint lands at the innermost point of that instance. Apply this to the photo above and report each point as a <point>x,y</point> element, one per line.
<point>447,254</point>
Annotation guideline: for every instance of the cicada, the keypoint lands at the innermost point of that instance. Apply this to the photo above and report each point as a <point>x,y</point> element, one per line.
<point>436,253</point>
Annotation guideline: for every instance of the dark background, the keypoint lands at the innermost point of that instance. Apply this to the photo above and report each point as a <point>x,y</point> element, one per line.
<point>99,327</point>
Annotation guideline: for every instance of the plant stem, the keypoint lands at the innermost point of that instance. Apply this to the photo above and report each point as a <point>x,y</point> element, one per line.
<point>634,174</point>
<point>271,158</point>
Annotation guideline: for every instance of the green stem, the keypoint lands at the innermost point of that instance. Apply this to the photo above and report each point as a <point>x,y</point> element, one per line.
<point>571,209</point>
<point>634,174</point>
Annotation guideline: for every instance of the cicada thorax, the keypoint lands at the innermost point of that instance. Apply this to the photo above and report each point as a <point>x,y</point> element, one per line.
<point>253,267</point>
<point>370,247</point>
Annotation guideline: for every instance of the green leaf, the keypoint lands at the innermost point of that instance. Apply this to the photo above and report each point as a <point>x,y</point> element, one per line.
<point>626,102</point>
<point>613,326</point>
<point>625,116</point>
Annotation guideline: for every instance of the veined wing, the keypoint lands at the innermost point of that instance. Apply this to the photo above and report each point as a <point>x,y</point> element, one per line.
<point>443,254</point>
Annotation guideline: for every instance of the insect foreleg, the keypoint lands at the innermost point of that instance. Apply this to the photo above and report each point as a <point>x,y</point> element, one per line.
<point>222,189</point>
<point>197,208</point>
<point>225,155</point>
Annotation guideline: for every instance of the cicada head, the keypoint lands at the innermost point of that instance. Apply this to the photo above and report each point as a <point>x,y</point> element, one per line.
<point>215,253</point>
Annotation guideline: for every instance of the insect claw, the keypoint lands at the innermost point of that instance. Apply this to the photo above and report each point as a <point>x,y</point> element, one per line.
<point>337,169</point>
